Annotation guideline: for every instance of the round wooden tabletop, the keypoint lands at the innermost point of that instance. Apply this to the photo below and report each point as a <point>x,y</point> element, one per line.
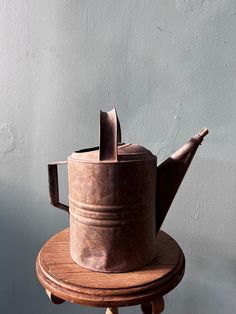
<point>63,278</point>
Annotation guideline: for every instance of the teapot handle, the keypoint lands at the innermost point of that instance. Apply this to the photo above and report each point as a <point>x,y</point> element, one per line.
<point>53,185</point>
<point>110,135</point>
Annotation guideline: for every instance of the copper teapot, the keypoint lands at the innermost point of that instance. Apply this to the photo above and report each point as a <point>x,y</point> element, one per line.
<point>118,198</point>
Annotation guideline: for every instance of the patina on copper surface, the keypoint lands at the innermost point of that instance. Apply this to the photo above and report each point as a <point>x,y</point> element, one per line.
<point>118,198</point>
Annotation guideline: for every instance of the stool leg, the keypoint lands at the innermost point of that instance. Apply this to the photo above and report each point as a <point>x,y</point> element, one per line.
<point>146,308</point>
<point>53,298</point>
<point>154,307</point>
<point>158,306</point>
<point>112,310</point>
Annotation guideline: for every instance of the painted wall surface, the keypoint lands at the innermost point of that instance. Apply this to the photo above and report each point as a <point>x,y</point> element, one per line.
<point>169,67</point>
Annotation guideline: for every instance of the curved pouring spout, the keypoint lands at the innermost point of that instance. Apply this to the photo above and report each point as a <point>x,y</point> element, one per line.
<point>171,173</point>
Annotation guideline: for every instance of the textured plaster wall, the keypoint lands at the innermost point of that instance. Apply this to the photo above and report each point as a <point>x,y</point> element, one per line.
<point>169,67</point>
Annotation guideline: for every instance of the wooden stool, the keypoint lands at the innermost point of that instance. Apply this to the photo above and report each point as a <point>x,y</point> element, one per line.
<point>64,280</point>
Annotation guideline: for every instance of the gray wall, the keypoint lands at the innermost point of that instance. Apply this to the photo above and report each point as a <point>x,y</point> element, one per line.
<point>169,67</point>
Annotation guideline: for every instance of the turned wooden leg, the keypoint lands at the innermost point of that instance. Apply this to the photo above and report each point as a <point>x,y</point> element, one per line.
<point>53,298</point>
<point>146,308</point>
<point>154,307</point>
<point>158,306</point>
<point>112,310</point>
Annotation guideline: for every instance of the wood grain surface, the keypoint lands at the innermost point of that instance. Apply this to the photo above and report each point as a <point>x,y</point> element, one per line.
<point>60,275</point>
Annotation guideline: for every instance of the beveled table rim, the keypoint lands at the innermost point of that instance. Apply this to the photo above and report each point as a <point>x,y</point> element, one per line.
<point>109,297</point>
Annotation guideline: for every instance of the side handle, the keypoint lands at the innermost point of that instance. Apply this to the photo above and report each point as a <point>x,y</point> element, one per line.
<point>53,185</point>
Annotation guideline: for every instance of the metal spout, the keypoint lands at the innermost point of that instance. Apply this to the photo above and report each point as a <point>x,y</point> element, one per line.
<point>171,173</point>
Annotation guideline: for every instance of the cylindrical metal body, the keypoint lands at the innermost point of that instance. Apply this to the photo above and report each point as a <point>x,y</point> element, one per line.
<point>112,211</point>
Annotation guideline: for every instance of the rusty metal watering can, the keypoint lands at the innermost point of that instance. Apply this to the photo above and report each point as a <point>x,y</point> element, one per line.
<point>118,198</point>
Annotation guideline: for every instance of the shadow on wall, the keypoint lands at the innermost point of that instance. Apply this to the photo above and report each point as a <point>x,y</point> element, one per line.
<point>210,272</point>
<point>24,227</point>
<point>204,289</point>
<point>202,221</point>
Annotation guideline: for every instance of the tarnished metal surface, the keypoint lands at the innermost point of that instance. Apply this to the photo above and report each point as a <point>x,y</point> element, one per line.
<point>112,204</point>
<point>118,198</point>
<point>171,173</point>
<point>112,214</point>
<point>110,136</point>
